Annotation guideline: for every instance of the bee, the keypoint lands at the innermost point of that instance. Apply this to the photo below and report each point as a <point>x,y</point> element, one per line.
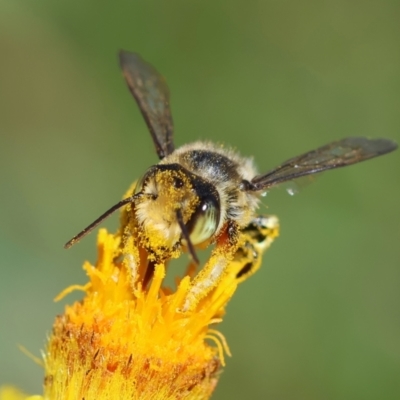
<point>203,193</point>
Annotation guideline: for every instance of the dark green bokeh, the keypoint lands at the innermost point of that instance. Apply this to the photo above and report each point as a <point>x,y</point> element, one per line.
<point>321,319</point>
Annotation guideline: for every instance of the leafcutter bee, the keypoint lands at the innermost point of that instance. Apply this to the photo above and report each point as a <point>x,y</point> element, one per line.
<point>203,193</point>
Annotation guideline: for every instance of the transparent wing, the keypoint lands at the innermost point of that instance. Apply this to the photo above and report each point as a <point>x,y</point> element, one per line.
<point>333,155</point>
<point>151,92</point>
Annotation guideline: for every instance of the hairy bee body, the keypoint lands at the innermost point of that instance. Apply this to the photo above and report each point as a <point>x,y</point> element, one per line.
<point>204,193</point>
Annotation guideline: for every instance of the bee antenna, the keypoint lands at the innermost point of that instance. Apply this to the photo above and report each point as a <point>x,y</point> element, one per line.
<point>185,234</point>
<point>93,225</point>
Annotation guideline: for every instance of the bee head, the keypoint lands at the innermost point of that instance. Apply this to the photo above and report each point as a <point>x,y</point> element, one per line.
<point>175,205</point>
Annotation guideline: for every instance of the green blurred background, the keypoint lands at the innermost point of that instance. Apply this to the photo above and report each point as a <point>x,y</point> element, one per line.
<point>321,319</point>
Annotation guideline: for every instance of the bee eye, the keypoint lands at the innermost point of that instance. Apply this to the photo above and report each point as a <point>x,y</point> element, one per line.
<point>204,222</point>
<point>178,183</point>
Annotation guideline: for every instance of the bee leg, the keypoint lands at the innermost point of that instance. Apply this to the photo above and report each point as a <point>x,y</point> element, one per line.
<point>256,238</point>
<point>237,253</point>
<point>215,268</point>
<point>130,249</point>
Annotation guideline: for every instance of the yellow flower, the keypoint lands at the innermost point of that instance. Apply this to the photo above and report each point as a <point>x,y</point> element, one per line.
<point>135,344</point>
<point>125,342</point>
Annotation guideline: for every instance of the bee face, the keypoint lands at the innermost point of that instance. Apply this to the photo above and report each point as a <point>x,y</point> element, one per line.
<point>173,202</point>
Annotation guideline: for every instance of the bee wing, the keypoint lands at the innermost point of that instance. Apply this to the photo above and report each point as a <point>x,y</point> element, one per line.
<point>151,93</point>
<point>333,155</point>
